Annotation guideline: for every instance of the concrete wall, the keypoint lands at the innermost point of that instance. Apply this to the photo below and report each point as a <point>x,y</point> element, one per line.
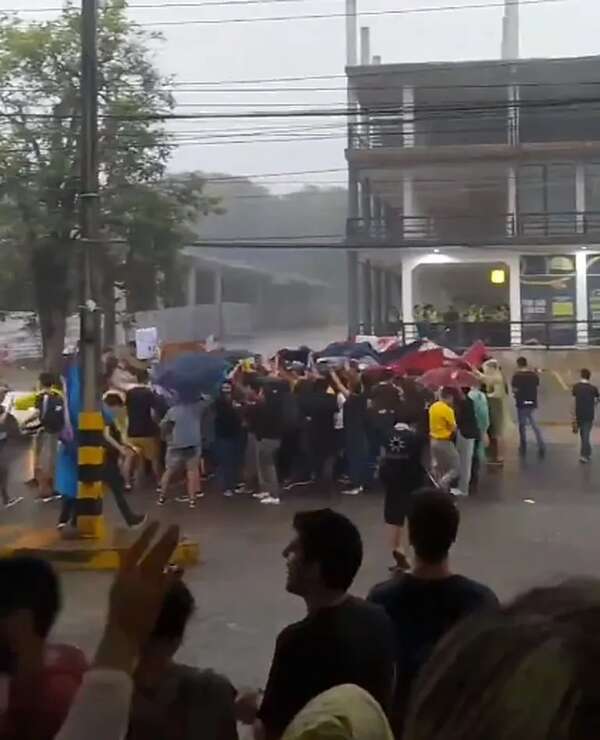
<point>189,323</point>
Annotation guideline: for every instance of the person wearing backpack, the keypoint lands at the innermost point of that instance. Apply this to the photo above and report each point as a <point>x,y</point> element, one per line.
<point>49,409</point>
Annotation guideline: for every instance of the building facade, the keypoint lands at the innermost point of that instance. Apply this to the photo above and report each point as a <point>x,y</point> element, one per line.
<point>460,170</point>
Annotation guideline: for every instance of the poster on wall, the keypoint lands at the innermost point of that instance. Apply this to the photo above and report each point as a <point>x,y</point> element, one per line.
<point>548,299</point>
<point>593,291</point>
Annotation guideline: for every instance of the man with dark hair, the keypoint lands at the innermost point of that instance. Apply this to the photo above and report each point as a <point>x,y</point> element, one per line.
<point>172,700</point>
<point>41,680</point>
<point>424,604</point>
<point>144,410</point>
<point>525,384</point>
<point>342,639</point>
<point>585,396</point>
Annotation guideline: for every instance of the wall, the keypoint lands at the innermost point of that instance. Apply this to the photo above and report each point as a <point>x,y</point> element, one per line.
<point>190,323</point>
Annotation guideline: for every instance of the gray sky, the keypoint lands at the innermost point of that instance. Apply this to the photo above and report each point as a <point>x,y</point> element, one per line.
<point>317,47</point>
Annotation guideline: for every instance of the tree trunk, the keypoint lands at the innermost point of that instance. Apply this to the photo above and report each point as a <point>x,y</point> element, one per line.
<point>50,269</point>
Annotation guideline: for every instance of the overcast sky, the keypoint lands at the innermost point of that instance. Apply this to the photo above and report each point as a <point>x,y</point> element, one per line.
<point>242,51</point>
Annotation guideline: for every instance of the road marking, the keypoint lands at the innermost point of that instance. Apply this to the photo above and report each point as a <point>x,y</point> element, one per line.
<point>560,380</point>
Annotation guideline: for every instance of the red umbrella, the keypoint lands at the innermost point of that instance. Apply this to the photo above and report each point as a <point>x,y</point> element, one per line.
<point>449,376</point>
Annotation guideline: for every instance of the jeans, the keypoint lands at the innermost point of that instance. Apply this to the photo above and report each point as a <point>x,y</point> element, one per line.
<point>446,463</point>
<point>357,457</point>
<point>465,448</point>
<point>526,417</point>
<point>267,471</point>
<point>229,452</point>
<point>585,430</point>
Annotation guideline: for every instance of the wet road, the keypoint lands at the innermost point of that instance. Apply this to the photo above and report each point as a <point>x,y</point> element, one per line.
<point>504,540</point>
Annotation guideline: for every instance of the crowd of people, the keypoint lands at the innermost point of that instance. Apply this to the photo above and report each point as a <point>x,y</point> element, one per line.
<point>428,655</point>
<point>269,430</point>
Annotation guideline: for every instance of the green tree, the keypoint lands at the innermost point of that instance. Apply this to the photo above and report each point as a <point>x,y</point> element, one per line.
<point>40,160</point>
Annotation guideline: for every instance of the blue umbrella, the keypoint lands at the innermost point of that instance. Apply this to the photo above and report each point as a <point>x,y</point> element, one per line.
<point>192,375</point>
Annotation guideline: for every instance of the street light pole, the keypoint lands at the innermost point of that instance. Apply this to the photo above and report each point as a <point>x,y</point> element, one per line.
<point>90,491</point>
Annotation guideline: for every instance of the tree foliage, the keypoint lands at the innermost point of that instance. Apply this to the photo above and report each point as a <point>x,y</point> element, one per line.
<point>40,127</point>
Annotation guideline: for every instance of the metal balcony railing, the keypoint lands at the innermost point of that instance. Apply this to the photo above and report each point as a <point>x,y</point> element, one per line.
<point>488,226</point>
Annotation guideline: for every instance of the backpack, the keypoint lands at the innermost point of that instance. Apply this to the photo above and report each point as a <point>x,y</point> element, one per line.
<point>52,412</point>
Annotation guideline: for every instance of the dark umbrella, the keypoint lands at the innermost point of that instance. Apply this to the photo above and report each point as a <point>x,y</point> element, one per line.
<point>192,375</point>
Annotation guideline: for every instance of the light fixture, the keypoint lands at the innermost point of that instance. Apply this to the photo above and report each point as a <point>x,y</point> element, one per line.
<point>583,249</point>
<point>436,251</point>
<point>498,277</point>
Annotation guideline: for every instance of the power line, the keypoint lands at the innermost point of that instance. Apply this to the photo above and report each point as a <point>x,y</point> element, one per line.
<point>368,13</point>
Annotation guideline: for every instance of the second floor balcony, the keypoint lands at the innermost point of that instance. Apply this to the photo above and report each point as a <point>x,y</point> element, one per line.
<point>487,228</point>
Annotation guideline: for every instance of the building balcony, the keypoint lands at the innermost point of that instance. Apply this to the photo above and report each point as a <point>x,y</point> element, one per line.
<point>497,229</point>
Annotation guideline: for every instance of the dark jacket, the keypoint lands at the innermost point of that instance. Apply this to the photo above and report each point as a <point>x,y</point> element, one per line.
<point>466,420</point>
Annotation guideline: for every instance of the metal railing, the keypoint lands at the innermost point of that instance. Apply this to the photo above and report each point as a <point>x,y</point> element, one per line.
<point>459,335</point>
<point>488,226</point>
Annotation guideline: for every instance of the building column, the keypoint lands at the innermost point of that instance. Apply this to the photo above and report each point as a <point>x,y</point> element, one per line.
<point>408,116</point>
<point>581,293</point>
<point>387,297</point>
<point>365,204</point>
<point>514,286</point>
<point>353,307</point>
<point>410,333</point>
<point>367,298</point>
<point>191,287</point>
<point>377,298</point>
<point>580,205</point>
<point>512,223</point>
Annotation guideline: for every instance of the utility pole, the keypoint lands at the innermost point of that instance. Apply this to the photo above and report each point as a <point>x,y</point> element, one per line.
<point>91,451</point>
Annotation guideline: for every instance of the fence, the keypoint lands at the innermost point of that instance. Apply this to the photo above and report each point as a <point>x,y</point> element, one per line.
<point>499,334</point>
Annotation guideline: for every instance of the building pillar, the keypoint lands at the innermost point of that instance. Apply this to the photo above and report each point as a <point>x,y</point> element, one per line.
<point>410,333</point>
<point>377,298</point>
<point>387,298</point>
<point>514,286</point>
<point>512,222</point>
<point>408,206</point>
<point>580,204</point>
<point>514,120</point>
<point>365,202</point>
<point>353,307</point>
<point>581,292</point>
<point>367,298</point>
<point>218,293</point>
<point>408,116</point>
<point>191,287</point>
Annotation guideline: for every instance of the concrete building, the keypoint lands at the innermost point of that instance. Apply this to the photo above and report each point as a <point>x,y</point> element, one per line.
<point>458,170</point>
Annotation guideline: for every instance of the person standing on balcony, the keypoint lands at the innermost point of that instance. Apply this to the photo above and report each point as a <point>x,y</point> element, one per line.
<point>586,397</point>
<point>525,384</point>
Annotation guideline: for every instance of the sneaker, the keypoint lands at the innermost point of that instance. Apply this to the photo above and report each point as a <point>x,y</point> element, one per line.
<point>228,493</point>
<point>161,500</point>
<point>296,484</point>
<point>192,501</point>
<point>183,499</point>
<point>61,525</point>
<point>584,460</point>
<point>260,496</point>
<point>138,522</point>
<point>457,492</point>
<point>241,488</point>
<point>128,488</point>
<point>13,502</point>
<point>270,500</point>
<point>353,491</point>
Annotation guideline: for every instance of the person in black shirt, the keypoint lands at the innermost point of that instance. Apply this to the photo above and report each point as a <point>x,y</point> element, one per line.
<point>467,435</point>
<point>144,411</point>
<point>342,639</point>
<point>426,603</point>
<point>355,430</point>
<point>586,397</point>
<point>230,440</point>
<point>525,384</point>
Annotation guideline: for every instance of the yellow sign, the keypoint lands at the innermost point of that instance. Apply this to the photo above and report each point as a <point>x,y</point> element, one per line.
<point>498,277</point>
<point>563,309</point>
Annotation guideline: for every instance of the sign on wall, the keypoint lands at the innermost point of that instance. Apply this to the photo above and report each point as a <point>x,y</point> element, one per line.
<point>548,294</point>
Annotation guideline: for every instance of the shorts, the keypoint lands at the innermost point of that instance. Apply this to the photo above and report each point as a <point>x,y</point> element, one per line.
<point>46,449</point>
<point>148,447</point>
<point>187,457</point>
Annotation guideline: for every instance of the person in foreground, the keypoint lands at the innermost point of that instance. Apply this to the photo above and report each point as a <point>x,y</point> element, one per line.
<point>342,639</point>
<point>38,680</point>
<point>529,670</point>
<point>172,701</point>
<point>100,710</point>
<point>424,604</point>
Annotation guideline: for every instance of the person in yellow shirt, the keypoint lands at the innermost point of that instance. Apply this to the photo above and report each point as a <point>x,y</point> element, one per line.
<point>442,429</point>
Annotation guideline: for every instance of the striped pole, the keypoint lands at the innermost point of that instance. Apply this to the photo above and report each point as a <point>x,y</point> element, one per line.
<point>90,490</point>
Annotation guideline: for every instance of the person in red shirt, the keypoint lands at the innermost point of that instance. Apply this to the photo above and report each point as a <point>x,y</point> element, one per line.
<point>37,681</point>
